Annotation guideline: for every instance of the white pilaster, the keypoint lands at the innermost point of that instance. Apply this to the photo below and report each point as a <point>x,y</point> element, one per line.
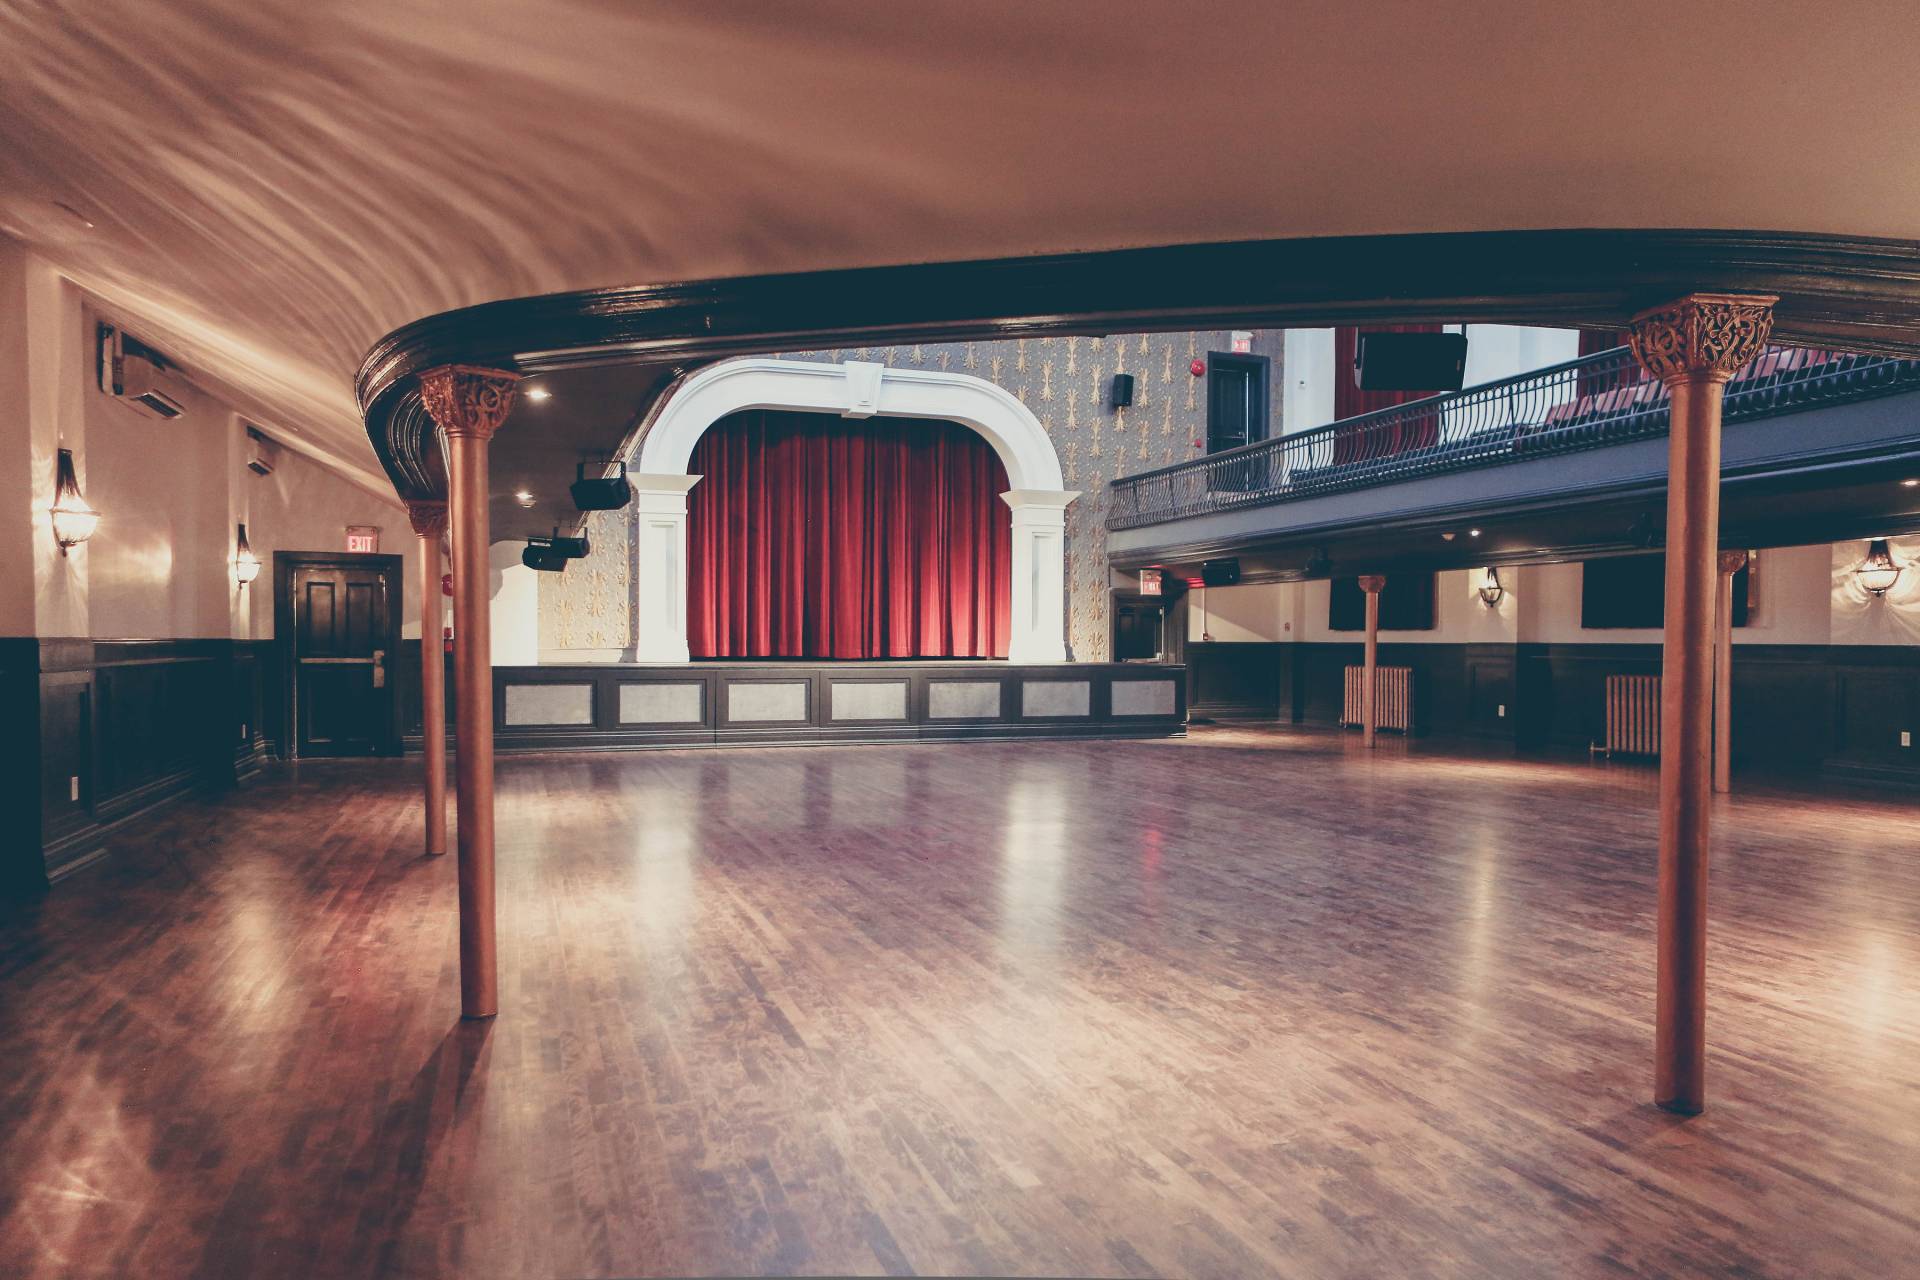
<point>513,607</point>
<point>1038,599</point>
<point>660,566</point>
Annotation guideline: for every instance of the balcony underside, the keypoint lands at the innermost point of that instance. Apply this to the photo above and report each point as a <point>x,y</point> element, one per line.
<point>1822,474</point>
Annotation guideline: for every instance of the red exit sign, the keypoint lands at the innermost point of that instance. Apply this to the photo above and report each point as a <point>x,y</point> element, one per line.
<point>363,539</point>
<point>1150,582</point>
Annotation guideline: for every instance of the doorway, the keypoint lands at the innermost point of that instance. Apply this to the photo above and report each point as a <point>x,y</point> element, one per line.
<point>1149,628</point>
<point>336,618</point>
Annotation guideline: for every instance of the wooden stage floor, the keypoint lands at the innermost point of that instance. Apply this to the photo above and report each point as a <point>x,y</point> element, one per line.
<point>1248,1003</point>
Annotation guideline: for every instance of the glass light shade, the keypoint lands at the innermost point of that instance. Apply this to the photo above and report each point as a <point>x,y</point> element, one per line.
<point>74,518</point>
<point>246,565</point>
<point>1877,573</point>
<point>1491,590</point>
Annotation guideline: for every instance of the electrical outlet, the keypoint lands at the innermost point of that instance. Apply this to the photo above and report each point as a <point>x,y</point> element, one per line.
<point>73,788</point>
<point>1503,711</point>
<point>1906,737</point>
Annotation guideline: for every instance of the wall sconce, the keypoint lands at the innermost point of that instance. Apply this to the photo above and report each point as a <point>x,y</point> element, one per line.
<point>74,518</point>
<point>1878,572</point>
<point>246,565</point>
<point>1491,592</point>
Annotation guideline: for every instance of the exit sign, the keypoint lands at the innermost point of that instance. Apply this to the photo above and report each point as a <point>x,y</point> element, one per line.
<point>363,539</point>
<point>1149,582</point>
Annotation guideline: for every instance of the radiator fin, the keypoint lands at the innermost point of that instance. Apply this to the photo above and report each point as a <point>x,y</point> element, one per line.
<point>1392,697</point>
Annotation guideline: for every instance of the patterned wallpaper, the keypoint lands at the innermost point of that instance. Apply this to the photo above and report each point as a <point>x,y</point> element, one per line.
<point>1065,382</point>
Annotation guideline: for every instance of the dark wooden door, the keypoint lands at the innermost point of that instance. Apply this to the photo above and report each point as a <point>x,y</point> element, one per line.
<point>1236,400</point>
<point>343,652</point>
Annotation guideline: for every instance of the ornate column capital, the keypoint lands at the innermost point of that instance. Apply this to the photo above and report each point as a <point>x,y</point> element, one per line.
<point>429,519</point>
<point>1732,562</point>
<point>1703,335</point>
<point>1373,583</point>
<point>466,400</point>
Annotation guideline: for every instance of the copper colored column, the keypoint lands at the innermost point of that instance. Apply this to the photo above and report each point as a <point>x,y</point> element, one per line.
<point>469,404</point>
<point>1731,562</point>
<point>1693,345</point>
<point>430,522</point>
<point>1369,710</point>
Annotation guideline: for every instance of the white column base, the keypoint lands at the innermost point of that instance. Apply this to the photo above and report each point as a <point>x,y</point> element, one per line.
<point>1038,602</point>
<point>660,566</point>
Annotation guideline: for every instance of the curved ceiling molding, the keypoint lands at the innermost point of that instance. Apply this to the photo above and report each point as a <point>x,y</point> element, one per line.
<point>1853,293</point>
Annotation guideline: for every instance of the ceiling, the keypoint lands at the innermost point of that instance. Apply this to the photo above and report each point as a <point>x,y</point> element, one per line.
<point>273,186</point>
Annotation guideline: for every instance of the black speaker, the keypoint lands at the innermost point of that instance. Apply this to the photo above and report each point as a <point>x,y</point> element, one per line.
<point>539,554</point>
<point>600,493</point>
<point>1122,390</point>
<point>1410,361</point>
<point>569,548</point>
<point>1220,573</point>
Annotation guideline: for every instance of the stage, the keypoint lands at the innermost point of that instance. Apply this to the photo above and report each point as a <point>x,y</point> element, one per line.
<point>708,703</point>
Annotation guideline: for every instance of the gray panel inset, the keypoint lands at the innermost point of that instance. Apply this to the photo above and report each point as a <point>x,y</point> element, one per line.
<point>963,699</point>
<point>1056,698</point>
<point>1143,698</point>
<point>766,700</point>
<point>869,700</point>
<point>674,703</point>
<point>549,704</point>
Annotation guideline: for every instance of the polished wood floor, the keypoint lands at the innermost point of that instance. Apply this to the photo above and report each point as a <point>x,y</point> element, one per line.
<point>1246,1004</point>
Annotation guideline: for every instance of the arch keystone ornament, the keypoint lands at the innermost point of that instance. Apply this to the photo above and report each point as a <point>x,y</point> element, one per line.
<point>468,403</point>
<point>1694,345</point>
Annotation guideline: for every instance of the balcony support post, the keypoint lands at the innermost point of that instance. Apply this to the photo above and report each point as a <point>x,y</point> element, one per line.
<point>1372,584</point>
<point>1731,563</point>
<point>469,404</point>
<point>429,521</point>
<point>1693,345</point>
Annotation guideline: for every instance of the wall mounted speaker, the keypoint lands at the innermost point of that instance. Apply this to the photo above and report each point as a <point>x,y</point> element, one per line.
<point>600,493</point>
<point>1122,390</point>
<point>539,554</point>
<point>1410,361</point>
<point>1220,573</point>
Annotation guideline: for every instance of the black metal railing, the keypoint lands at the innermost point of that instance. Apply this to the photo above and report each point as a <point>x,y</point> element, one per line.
<point>1589,403</point>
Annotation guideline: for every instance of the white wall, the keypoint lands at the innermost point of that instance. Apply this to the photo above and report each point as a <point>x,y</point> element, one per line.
<point>514,610</point>
<point>170,492</point>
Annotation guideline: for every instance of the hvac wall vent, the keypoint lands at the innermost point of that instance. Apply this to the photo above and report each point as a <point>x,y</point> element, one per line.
<point>134,373</point>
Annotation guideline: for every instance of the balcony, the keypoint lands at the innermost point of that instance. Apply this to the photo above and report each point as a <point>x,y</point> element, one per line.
<point>1595,402</point>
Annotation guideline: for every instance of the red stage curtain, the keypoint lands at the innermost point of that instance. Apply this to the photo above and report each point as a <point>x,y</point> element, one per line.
<point>1349,401</point>
<point>819,537</point>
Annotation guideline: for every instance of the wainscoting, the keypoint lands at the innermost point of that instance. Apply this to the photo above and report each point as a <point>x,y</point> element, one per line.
<point>1796,708</point>
<point>111,728</point>
<point>716,703</point>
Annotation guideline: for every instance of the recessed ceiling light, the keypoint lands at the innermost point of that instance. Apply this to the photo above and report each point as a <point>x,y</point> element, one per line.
<point>1910,484</point>
<point>522,497</point>
<point>1473,533</point>
<point>539,393</point>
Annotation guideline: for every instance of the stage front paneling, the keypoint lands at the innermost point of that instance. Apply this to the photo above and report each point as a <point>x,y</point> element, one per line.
<point>716,703</point>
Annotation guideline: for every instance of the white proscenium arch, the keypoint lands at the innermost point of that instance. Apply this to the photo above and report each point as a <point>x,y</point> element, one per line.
<point>853,389</point>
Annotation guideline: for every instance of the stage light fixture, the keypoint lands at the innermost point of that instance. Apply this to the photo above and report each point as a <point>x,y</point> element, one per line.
<point>601,493</point>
